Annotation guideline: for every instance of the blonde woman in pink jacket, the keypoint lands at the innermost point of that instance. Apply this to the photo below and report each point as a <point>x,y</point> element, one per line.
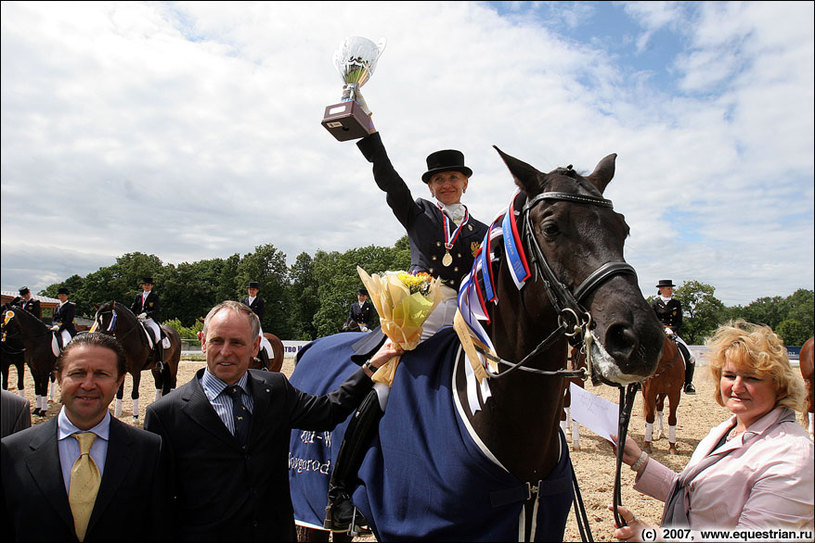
<point>752,472</point>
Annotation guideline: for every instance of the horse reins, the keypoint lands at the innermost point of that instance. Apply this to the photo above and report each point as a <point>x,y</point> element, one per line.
<point>568,306</point>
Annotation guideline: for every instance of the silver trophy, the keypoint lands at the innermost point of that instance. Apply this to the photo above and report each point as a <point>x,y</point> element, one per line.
<point>355,60</point>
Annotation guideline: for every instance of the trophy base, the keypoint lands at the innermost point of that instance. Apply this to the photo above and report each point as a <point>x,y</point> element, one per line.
<point>346,121</point>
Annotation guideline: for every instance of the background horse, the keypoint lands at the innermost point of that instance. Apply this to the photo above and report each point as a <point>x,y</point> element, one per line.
<point>12,352</point>
<point>459,459</point>
<point>667,381</point>
<point>36,337</point>
<point>117,319</point>
<point>276,362</point>
<point>806,363</point>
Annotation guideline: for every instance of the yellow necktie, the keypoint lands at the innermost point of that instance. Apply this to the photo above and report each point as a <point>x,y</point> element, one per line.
<point>84,485</point>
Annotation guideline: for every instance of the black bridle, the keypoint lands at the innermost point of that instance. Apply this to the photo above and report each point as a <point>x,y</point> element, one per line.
<point>574,322</point>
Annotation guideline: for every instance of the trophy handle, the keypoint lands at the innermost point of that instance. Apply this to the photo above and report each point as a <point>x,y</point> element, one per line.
<point>381,46</point>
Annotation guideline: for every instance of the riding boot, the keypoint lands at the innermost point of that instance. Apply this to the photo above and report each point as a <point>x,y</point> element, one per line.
<point>340,510</point>
<point>159,354</point>
<point>690,366</point>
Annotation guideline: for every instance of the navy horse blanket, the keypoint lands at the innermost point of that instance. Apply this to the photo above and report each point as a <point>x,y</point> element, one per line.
<point>425,476</point>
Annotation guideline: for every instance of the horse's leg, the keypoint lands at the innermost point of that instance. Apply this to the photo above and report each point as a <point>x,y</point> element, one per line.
<point>53,382</point>
<point>117,411</point>
<point>40,394</point>
<point>134,395</point>
<point>5,375</point>
<point>648,405</point>
<point>674,405</point>
<point>158,379</point>
<point>20,365</point>
<point>660,410</point>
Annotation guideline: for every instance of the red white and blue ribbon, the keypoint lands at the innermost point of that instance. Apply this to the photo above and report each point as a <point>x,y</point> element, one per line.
<point>450,238</point>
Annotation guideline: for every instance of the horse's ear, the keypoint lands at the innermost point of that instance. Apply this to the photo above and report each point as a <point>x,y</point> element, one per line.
<point>526,176</point>
<point>603,172</point>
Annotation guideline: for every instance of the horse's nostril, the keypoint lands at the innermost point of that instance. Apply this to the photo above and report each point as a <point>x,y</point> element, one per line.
<point>621,343</point>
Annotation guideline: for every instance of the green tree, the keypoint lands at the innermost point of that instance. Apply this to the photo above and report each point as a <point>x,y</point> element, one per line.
<point>267,266</point>
<point>793,332</point>
<point>702,311</point>
<point>303,299</point>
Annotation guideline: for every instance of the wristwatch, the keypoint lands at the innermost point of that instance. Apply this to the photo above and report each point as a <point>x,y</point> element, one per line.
<point>370,367</point>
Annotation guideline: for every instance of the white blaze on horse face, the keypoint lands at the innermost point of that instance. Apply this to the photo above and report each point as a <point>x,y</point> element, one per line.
<point>608,368</point>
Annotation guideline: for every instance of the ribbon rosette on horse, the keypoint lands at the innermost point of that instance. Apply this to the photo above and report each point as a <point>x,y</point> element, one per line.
<point>403,301</point>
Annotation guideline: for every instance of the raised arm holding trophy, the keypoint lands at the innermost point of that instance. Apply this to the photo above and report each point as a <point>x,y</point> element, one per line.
<point>355,61</point>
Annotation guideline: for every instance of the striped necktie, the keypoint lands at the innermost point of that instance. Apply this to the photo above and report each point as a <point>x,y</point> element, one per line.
<point>85,479</point>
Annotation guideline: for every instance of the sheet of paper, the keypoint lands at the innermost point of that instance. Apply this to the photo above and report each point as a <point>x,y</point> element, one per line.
<point>595,413</point>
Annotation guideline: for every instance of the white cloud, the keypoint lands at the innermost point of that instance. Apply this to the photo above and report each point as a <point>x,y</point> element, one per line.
<point>192,130</point>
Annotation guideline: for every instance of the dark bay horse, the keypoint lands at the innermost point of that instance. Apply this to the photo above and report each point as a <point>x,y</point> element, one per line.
<point>806,363</point>
<point>36,337</point>
<point>458,458</point>
<point>117,319</point>
<point>666,382</point>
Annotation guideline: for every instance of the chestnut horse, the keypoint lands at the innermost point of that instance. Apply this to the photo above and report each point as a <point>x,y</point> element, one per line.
<point>805,362</point>
<point>118,320</point>
<point>667,381</point>
<point>276,362</point>
<point>462,459</point>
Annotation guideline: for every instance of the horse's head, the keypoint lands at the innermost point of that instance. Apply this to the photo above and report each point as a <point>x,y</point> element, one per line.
<point>104,320</point>
<point>574,240</point>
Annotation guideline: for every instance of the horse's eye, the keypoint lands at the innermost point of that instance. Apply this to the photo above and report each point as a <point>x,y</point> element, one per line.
<point>550,230</point>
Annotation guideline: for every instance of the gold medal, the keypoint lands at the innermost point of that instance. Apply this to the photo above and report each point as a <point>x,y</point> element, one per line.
<point>447,259</point>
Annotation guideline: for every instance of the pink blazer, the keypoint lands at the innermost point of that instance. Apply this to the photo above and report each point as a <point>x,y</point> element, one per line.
<point>764,478</point>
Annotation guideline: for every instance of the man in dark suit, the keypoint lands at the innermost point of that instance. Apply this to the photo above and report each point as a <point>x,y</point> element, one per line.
<point>227,432</point>
<point>146,306</point>
<point>362,311</point>
<point>27,302</point>
<point>40,465</point>
<point>15,414</point>
<point>64,313</point>
<point>669,312</point>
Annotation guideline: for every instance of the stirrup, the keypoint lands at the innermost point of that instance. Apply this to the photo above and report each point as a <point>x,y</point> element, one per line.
<point>354,527</point>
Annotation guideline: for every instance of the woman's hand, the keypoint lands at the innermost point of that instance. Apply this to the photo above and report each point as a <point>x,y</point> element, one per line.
<point>632,532</point>
<point>387,351</point>
<point>632,451</point>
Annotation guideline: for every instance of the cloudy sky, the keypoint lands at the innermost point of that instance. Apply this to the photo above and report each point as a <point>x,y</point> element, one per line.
<point>192,130</point>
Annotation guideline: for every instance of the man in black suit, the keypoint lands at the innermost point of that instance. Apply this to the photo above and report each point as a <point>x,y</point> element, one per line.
<point>15,414</point>
<point>227,432</point>
<point>27,302</point>
<point>39,463</point>
<point>362,311</point>
<point>146,306</point>
<point>64,313</point>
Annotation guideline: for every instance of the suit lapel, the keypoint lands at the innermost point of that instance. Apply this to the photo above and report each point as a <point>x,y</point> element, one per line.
<point>118,462</point>
<point>44,467</point>
<point>195,405</point>
<point>261,392</point>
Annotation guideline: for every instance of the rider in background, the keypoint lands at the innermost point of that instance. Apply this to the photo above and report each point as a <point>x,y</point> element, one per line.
<point>669,312</point>
<point>64,315</point>
<point>27,302</point>
<point>146,307</point>
<point>258,305</point>
<point>362,311</point>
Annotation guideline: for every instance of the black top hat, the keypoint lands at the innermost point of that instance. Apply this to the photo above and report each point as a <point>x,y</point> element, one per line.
<point>253,284</point>
<point>24,291</point>
<point>445,161</point>
<point>665,283</point>
<point>63,290</point>
<point>146,280</point>
<point>362,292</point>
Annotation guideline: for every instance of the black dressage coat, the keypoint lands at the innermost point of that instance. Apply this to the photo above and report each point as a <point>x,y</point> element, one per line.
<point>64,316</point>
<point>362,315</point>
<point>222,492</point>
<point>423,221</point>
<point>128,506</point>
<point>258,306</point>
<point>151,306</point>
<point>669,314</point>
